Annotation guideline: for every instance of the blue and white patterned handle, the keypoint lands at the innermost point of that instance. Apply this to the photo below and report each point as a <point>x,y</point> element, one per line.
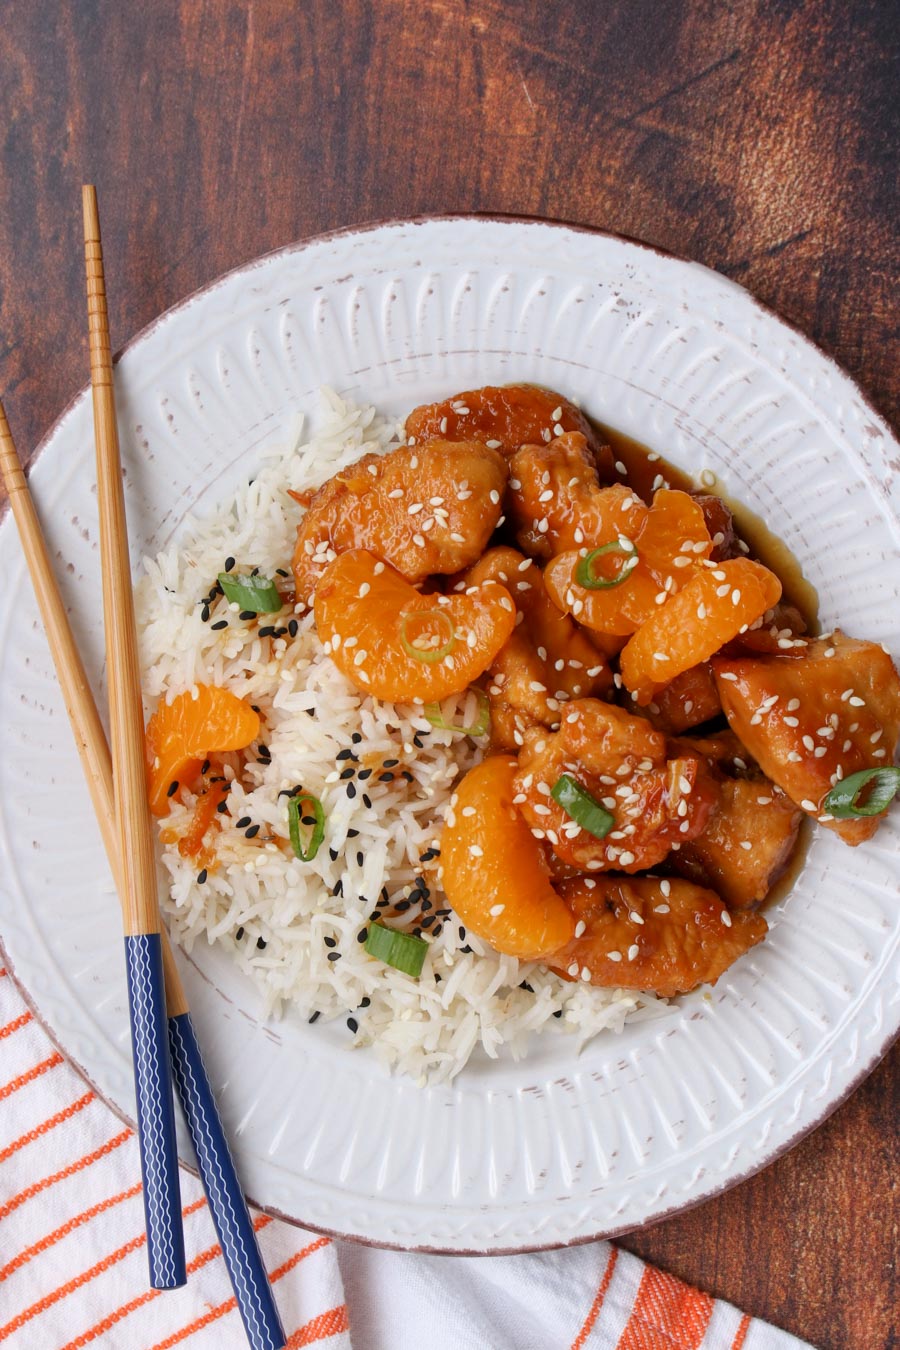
<point>155,1111</point>
<point>223,1190</point>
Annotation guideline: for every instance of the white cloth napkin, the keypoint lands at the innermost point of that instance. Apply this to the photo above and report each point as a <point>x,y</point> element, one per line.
<point>73,1269</point>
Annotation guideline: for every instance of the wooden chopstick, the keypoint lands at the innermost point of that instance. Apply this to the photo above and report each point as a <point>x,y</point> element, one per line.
<point>217,1171</point>
<point>137,866</point>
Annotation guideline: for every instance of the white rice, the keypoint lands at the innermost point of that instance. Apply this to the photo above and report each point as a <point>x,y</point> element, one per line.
<point>467,995</point>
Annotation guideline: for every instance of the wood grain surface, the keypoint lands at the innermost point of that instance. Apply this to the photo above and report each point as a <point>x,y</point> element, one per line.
<point>759,138</point>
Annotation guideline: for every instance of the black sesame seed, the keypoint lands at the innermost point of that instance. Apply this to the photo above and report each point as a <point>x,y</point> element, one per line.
<point>267,630</point>
<point>426,905</point>
<point>437,978</point>
<point>359,858</point>
<point>365,1002</point>
<point>351,790</point>
<point>255,572</point>
<point>219,625</point>
<point>362,935</point>
<point>330,941</point>
<point>558,1012</point>
<point>367,801</point>
<point>252,832</point>
<point>347,773</point>
<point>315,1017</point>
<point>261,944</point>
<point>204,767</point>
<point>380,904</point>
<point>333,854</point>
<point>407,775</point>
<point>222,807</point>
<point>346,753</point>
<point>402,906</point>
<point>356,737</point>
<point>264,752</point>
<point>385,778</point>
<point>172,788</point>
<point>204,614</point>
<point>239,934</point>
<point>279,571</point>
<point>242,823</point>
<point>352,1024</point>
<point>462,933</point>
<point>428,920</point>
<point>436,933</point>
<point>467,949</point>
<point>526,986</point>
<point>201,876</point>
<point>229,563</point>
<point>293,627</point>
<point>352,834</point>
<point>337,888</point>
<point>417,741</point>
<point>247,614</point>
<point>334,956</point>
<point>364,774</point>
<point>310,712</point>
<point>391,763</point>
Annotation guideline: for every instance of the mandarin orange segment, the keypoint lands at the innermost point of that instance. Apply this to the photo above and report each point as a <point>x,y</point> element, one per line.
<point>395,643</point>
<point>671,542</point>
<point>505,416</point>
<point>182,733</point>
<point>717,604</point>
<point>205,817</point>
<point>494,871</point>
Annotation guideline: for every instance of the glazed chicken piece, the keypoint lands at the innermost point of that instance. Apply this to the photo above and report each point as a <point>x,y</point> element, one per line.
<point>814,715</point>
<point>656,936</point>
<point>556,501</point>
<point>423,509</point>
<point>751,834</point>
<point>506,417</point>
<point>690,700</point>
<point>657,802</point>
<point>547,659</point>
<point>720,524</point>
<point>781,629</point>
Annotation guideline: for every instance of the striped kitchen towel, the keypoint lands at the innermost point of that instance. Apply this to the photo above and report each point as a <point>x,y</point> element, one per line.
<point>73,1268</point>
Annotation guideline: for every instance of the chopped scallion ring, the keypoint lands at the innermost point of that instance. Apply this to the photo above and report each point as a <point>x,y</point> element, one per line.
<point>435,716</point>
<point>584,572</point>
<point>581,806</point>
<point>314,823</point>
<point>251,592</point>
<point>412,645</point>
<point>400,950</point>
<point>843,801</point>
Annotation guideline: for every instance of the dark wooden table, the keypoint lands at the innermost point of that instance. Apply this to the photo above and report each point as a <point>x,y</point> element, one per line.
<point>755,137</point>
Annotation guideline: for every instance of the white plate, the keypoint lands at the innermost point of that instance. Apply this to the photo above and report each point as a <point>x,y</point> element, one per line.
<point>556,1148</point>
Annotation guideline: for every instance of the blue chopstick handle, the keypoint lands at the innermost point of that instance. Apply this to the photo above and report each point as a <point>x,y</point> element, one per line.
<point>155,1111</point>
<point>223,1191</point>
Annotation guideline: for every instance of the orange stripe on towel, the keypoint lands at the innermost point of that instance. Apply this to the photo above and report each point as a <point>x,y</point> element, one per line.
<point>59,1233</point>
<point>598,1301</point>
<point>49,1063</point>
<point>14,1025</point>
<point>330,1323</point>
<point>741,1334</point>
<point>667,1315</point>
<point>50,1123</point>
<point>78,1166</point>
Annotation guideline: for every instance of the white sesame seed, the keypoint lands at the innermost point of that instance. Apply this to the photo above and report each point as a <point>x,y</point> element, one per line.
<point>614,956</point>
<point>476,850</point>
<point>496,911</point>
<point>856,702</point>
<point>572,969</point>
<point>701,611</point>
<point>791,722</point>
<point>726,918</point>
<point>793,757</point>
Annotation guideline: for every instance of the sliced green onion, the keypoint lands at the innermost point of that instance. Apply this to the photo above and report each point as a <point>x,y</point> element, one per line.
<point>584,572</point>
<point>582,807</point>
<point>843,801</point>
<point>400,950</point>
<point>315,824</point>
<point>427,654</point>
<point>251,592</point>
<point>434,714</point>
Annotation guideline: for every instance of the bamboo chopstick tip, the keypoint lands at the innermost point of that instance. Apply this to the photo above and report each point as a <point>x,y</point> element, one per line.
<point>91,213</point>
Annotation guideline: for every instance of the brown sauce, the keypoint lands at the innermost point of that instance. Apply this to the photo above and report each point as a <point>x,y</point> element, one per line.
<point>644,470</point>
